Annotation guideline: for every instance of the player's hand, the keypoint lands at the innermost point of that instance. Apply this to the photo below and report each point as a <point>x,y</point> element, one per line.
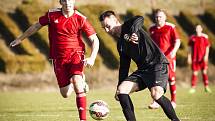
<point>205,58</point>
<point>172,54</point>
<point>134,38</point>
<point>116,95</point>
<point>89,62</point>
<point>189,60</point>
<point>15,42</point>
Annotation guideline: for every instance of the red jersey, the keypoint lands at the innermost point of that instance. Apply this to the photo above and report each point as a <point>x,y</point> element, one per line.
<point>165,37</point>
<point>198,46</point>
<point>65,33</point>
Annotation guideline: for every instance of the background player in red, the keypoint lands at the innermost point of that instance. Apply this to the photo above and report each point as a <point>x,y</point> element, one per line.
<point>67,49</point>
<point>164,34</point>
<point>198,56</point>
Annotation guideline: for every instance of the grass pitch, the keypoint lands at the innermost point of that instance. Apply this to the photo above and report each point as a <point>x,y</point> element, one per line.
<point>50,106</point>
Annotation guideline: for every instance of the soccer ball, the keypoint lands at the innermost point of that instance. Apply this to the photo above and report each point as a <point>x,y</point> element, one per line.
<point>99,110</point>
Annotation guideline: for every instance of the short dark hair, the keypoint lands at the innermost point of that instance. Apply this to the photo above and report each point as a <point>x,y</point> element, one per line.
<point>106,14</point>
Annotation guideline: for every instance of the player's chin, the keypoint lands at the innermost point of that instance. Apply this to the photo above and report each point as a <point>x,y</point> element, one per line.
<point>69,8</point>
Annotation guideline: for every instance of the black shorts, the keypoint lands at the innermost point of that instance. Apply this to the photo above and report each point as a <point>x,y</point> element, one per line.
<point>154,76</point>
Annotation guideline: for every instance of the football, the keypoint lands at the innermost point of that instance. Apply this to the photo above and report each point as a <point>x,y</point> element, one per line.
<point>99,110</point>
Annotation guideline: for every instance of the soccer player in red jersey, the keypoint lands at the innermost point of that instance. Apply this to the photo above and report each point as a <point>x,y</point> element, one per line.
<point>164,34</point>
<point>67,48</point>
<point>198,56</point>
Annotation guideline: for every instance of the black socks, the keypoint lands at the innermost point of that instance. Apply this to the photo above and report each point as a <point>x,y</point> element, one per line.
<point>127,107</point>
<point>167,108</point>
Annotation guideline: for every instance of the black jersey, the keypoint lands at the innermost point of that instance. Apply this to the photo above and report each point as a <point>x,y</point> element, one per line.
<point>146,54</point>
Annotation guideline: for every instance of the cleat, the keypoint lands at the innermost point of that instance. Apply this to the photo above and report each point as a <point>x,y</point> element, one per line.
<point>192,90</point>
<point>173,104</point>
<point>208,90</point>
<point>154,105</point>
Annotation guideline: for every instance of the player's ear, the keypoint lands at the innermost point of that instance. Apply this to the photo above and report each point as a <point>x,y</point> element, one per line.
<point>165,16</point>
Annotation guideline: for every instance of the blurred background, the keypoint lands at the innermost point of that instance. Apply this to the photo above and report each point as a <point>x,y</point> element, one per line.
<point>27,67</point>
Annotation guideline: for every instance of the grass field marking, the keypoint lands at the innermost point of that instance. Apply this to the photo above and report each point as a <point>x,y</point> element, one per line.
<point>3,115</point>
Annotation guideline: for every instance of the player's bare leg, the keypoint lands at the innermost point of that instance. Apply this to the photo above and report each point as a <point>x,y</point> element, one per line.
<point>86,87</point>
<point>172,84</point>
<point>124,89</point>
<point>78,83</point>
<point>157,94</point>
<point>67,90</point>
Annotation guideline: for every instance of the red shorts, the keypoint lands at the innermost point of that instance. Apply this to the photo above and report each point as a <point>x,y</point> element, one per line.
<point>199,65</point>
<point>65,68</point>
<point>172,69</point>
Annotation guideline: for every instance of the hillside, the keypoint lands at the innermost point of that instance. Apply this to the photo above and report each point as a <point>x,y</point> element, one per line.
<point>31,57</point>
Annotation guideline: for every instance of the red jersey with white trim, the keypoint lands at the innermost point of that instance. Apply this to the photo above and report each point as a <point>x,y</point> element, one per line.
<point>65,33</point>
<point>198,46</point>
<point>165,37</point>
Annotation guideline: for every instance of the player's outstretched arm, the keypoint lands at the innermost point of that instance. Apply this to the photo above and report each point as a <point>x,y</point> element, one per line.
<point>31,30</point>
<point>95,47</point>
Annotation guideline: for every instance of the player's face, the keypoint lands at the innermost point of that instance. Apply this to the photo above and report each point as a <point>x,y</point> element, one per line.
<point>198,28</point>
<point>160,18</point>
<point>67,5</point>
<point>109,24</point>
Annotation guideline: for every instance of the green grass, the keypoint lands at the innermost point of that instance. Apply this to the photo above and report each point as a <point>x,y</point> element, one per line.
<point>50,106</point>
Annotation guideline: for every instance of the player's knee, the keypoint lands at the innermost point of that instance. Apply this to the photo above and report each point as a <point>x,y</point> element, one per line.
<point>122,90</point>
<point>66,91</point>
<point>65,95</point>
<point>156,92</point>
<point>204,71</point>
<point>171,79</point>
<point>78,83</point>
<point>195,73</point>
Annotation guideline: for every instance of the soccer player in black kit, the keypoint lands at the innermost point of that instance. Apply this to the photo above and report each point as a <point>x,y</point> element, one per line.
<point>152,73</point>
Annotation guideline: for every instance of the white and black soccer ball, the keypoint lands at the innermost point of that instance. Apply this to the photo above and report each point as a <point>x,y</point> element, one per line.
<point>99,110</point>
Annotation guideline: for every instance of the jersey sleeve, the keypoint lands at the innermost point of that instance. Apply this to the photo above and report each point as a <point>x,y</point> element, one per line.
<point>190,41</point>
<point>88,28</point>
<point>137,23</point>
<point>174,34</point>
<point>124,67</point>
<point>44,20</point>
<point>207,42</point>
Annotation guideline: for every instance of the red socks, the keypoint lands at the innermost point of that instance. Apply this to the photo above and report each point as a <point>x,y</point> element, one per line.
<point>172,89</point>
<point>81,105</point>
<point>205,79</point>
<point>193,80</point>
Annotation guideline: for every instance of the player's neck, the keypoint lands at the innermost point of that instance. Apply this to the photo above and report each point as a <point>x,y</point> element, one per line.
<point>199,33</point>
<point>67,14</point>
<point>160,25</point>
